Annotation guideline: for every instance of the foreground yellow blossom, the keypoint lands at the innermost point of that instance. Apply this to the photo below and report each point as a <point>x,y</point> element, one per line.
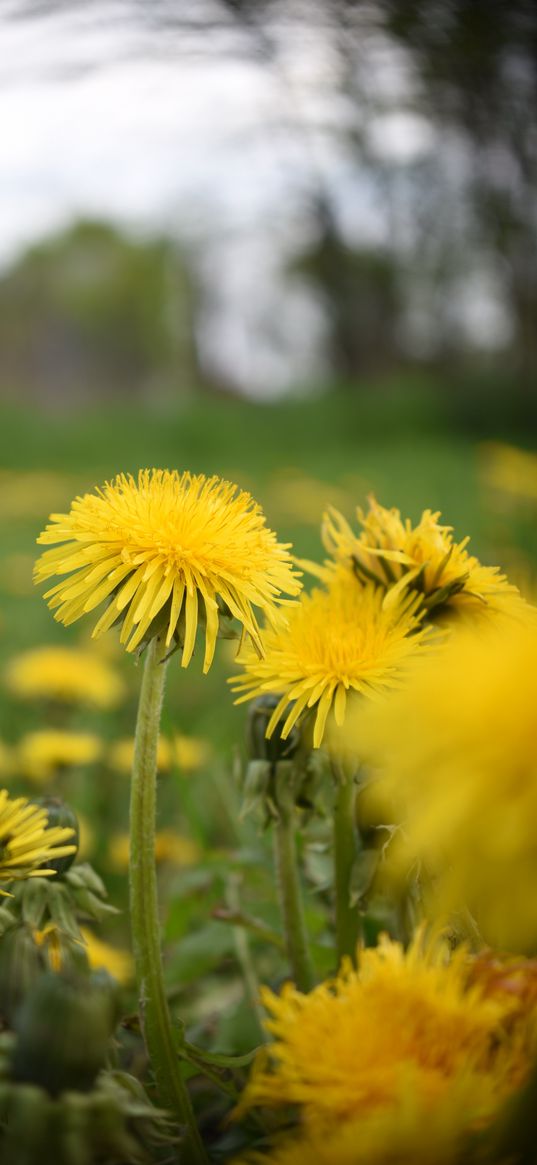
<point>334,642</point>
<point>64,674</point>
<point>27,840</point>
<point>395,1062</point>
<point>395,555</point>
<point>455,755</point>
<point>42,755</point>
<point>167,552</point>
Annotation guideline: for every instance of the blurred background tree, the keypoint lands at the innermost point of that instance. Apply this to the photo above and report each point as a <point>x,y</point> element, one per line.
<point>90,314</point>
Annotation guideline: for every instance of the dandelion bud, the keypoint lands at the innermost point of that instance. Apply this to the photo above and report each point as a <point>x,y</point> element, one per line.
<point>21,964</point>
<point>63,1031</point>
<point>60,814</point>
<point>275,749</point>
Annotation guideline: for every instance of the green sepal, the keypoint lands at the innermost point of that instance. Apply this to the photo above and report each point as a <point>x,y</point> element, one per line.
<point>34,901</point>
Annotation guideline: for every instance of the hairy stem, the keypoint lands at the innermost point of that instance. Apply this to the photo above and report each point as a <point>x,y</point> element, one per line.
<point>160,1038</point>
<point>290,895</point>
<point>345,849</point>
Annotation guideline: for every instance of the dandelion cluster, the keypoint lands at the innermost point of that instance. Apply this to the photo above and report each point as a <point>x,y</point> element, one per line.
<point>168,552</point>
<point>415,666</point>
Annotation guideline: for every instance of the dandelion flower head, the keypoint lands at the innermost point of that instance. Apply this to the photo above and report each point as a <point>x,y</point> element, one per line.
<point>334,642</point>
<point>455,755</point>
<point>403,1041</point>
<point>167,551</point>
<point>27,840</point>
<point>64,674</point>
<point>394,555</point>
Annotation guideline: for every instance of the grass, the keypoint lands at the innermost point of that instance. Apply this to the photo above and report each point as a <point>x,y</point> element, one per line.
<point>294,457</point>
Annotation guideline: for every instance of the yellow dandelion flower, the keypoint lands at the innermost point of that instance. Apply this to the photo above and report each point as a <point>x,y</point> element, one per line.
<point>167,551</point>
<point>63,674</point>
<point>41,755</point>
<point>120,755</point>
<point>119,963</point>
<point>26,840</point>
<point>169,847</point>
<point>395,555</point>
<point>403,1044</point>
<point>334,642</point>
<point>455,756</point>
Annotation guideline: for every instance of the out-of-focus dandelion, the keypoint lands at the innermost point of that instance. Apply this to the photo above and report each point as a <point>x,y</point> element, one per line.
<point>403,1051</point>
<point>7,762</point>
<point>333,643</point>
<point>456,760</point>
<point>170,847</point>
<point>42,755</point>
<point>191,753</point>
<point>396,556</point>
<point>119,963</point>
<point>168,552</point>
<point>510,472</point>
<point>63,674</point>
<point>120,755</point>
<point>27,841</point>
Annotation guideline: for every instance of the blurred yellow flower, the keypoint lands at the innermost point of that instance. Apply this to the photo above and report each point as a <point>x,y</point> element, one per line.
<point>333,642</point>
<point>86,837</point>
<point>116,961</point>
<point>169,847</point>
<point>191,753</point>
<point>63,674</point>
<point>395,555</point>
<point>120,755</point>
<point>26,840</point>
<point>40,755</point>
<point>25,494</point>
<point>510,471</point>
<point>157,547</point>
<point>386,1061</point>
<point>456,760</point>
<point>7,763</point>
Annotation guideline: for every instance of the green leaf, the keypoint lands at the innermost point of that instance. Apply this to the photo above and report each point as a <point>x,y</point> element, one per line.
<point>199,953</point>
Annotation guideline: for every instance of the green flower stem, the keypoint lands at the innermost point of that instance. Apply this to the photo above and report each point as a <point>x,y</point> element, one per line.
<point>290,894</point>
<point>348,925</point>
<point>161,1040</point>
